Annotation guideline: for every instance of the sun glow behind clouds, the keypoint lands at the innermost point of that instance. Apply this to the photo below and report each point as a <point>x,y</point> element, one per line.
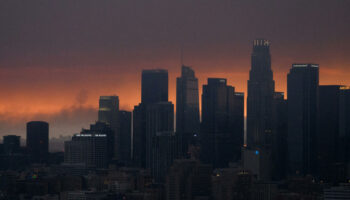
<point>25,99</point>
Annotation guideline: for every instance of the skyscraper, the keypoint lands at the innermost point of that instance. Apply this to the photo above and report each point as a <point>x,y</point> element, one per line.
<point>154,86</point>
<point>328,130</point>
<point>125,136</point>
<point>187,107</point>
<point>139,136</point>
<point>154,94</point>
<point>221,128</point>
<point>261,87</point>
<point>103,128</point>
<point>108,113</point>
<point>302,90</point>
<point>159,118</point>
<point>38,141</point>
<point>164,149</point>
<point>238,121</point>
<point>89,148</point>
<point>279,144</point>
<point>344,130</point>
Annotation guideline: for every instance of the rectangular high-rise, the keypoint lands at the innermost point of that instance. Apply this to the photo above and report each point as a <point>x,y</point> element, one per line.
<point>222,123</point>
<point>159,118</point>
<point>164,149</point>
<point>187,107</point>
<point>344,131</point>
<point>90,148</point>
<point>302,88</point>
<point>103,128</point>
<point>125,136</point>
<point>154,94</point>
<point>38,141</point>
<point>154,86</point>
<point>279,137</point>
<point>238,120</point>
<point>108,113</point>
<point>139,136</point>
<point>328,130</point>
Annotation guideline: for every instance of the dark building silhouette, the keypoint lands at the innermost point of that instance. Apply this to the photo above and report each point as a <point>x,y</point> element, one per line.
<point>164,149</point>
<point>251,161</point>
<point>159,118</point>
<point>187,107</point>
<point>89,148</point>
<point>328,134</point>
<point>233,183</point>
<point>105,129</point>
<point>154,86</point>
<point>11,144</point>
<point>188,179</point>
<point>238,120</point>
<point>279,144</point>
<point>302,90</point>
<point>108,113</point>
<point>261,87</point>
<point>139,136</point>
<point>38,141</point>
<point>344,132</point>
<point>125,136</point>
<point>221,128</point>
<point>12,155</point>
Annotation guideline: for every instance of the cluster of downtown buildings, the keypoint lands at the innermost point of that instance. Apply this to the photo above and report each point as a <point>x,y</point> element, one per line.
<point>304,139</point>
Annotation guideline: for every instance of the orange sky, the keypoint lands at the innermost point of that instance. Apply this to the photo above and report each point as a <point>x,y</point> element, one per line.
<point>35,95</point>
<point>58,57</point>
<point>68,98</point>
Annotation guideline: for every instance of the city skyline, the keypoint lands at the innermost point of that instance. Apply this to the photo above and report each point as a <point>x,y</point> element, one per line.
<point>174,100</point>
<point>81,107</point>
<point>79,65</point>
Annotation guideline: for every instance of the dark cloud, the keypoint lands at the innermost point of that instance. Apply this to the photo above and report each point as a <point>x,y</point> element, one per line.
<point>98,47</point>
<point>68,121</point>
<point>82,97</point>
<point>108,32</point>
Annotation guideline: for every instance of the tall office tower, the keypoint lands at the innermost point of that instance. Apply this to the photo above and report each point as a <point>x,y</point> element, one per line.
<point>222,127</point>
<point>279,130</point>
<point>108,113</point>
<point>125,136</point>
<point>187,107</point>
<point>344,131</point>
<point>103,128</point>
<point>238,122</point>
<point>328,135</point>
<point>139,136</point>
<point>90,148</point>
<point>261,87</point>
<point>164,149</point>
<point>154,86</point>
<point>188,179</point>
<point>38,141</point>
<point>159,118</point>
<point>11,144</point>
<point>302,87</point>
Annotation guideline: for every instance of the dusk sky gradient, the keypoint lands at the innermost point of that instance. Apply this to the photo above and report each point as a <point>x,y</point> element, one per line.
<point>58,57</point>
